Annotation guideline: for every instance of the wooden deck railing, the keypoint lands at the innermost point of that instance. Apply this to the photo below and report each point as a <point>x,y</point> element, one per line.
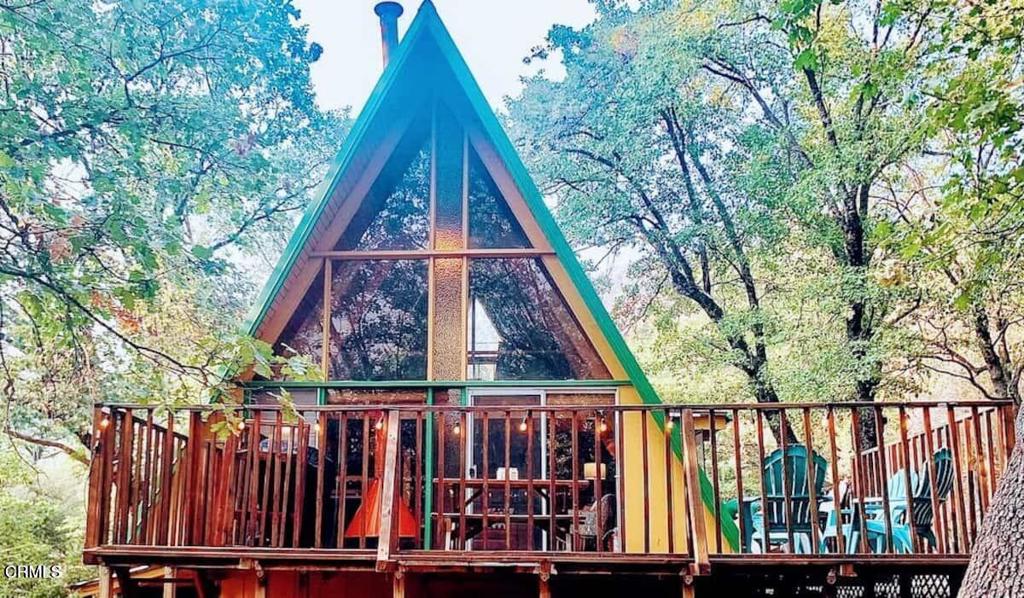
<point>935,505</point>
<point>692,483</point>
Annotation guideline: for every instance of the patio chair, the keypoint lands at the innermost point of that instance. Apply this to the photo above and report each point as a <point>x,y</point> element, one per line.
<point>776,521</point>
<point>586,527</point>
<point>921,514</point>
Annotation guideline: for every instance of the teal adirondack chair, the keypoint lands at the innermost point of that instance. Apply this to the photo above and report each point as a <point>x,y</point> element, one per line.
<point>775,521</point>
<point>921,514</point>
<point>918,513</point>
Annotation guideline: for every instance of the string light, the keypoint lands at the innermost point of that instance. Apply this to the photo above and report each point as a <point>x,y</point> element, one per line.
<point>671,423</point>
<point>380,424</point>
<point>104,423</point>
<point>602,426</point>
<point>241,425</point>
<point>457,429</point>
<point>522,425</point>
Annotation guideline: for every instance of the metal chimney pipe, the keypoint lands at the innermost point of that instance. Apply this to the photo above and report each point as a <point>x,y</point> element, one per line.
<point>388,13</point>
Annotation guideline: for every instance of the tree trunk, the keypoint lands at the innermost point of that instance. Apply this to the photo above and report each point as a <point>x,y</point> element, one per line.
<point>999,369</point>
<point>997,561</point>
<point>868,430</point>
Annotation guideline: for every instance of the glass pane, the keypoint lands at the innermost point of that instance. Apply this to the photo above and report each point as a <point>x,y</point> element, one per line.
<point>449,145</point>
<point>518,430</point>
<point>272,396</point>
<point>304,333</point>
<point>520,327</point>
<point>395,213</point>
<point>376,396</point>
<point>491,223</point>
<point>448,345</point>
<point>379,320</point>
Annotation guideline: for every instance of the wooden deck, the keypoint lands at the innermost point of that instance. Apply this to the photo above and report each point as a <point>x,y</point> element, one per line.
<point>540,489</point>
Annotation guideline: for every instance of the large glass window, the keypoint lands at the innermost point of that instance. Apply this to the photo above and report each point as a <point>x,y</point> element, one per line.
<point>433,199</point>
<point>491,222</point>
<point>520,327</point>
<point>378,321</point>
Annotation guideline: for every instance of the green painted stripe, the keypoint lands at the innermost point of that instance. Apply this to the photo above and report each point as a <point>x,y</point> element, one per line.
<point>428,477</point>
<point>427,384</point>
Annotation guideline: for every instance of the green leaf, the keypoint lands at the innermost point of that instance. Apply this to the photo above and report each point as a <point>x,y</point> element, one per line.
<point>201,252</point>
<point>807,59</point>
<point>891,12</point>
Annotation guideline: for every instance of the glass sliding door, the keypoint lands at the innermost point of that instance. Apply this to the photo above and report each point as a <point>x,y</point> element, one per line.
<point>507,443</point>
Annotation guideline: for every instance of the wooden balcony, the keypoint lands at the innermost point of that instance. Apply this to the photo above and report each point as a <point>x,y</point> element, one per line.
<point>589,487</point>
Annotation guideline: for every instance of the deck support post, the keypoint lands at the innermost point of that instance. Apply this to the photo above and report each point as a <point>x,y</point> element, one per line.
<point>398,583</point>
<point>543,586</point>
<point>544,579</point>
<point>106,582</point>
<point>689,590</point>
<point>170,589</point>
<point>129,589</point>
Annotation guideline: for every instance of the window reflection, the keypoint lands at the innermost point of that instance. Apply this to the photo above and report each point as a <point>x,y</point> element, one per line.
<point>491,222</point>
<point>395,213</point>
<point>520,327</point>
<point>378,320</point>
<point>304,333</point>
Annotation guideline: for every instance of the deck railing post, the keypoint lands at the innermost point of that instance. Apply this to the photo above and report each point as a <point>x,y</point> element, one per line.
<point>387,540</point>
<point>695,506</point>
<point>1010,431</point>
<point>98,490</point>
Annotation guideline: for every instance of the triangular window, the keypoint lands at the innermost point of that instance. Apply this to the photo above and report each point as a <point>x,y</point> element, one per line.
<point>304,333</point>
<point>396,213</point>
<point>520,327</point>
<point>492,225</point>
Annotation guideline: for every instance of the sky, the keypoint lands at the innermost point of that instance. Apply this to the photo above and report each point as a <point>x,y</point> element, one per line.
<point>493,35</point>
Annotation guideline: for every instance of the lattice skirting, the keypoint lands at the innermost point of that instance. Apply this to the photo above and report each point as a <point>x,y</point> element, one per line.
<point>924,585</point>
<point>869,584</point>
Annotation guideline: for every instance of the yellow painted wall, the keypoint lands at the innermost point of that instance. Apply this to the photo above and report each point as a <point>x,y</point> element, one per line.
<point>654,524</point>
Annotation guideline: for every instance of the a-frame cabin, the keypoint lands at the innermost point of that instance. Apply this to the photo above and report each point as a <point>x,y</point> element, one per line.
<point>482,426</point>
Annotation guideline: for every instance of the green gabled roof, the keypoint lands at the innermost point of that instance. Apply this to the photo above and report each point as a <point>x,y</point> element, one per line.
<point>428,23</point>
